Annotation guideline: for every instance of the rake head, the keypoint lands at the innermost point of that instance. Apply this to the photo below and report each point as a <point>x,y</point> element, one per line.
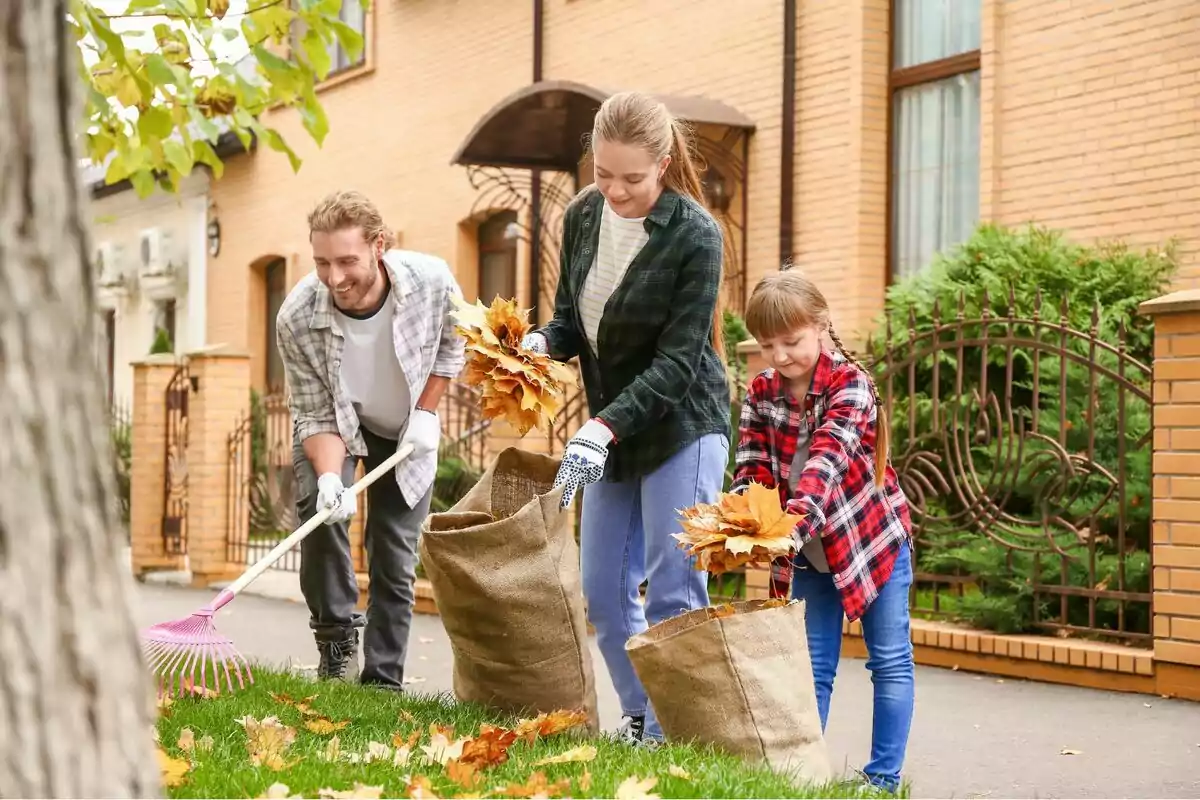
<point>183,654</point>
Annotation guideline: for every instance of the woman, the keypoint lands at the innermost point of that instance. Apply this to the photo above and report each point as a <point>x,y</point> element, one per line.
<point>638,303</point>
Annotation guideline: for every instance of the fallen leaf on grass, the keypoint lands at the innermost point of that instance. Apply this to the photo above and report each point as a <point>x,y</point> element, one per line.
<point>333,750</point>
<point>323,726</point>
<point>164,702</point>
<point>359,790</point>
<point>465,775</point>
<point>440,749</point>
<point>407,716</point>
<point>377,751</point>
<point>585,781</point>
<point>419,786</point>
<point>410,741</point>
<point>187,740</point>
<point>278,791</point>
<point>1066,751</point>
<point>634,788</point>
<point>489,748</point>
<point>536,786</point>
<point>203,692</point>
<point>303,706</point>
<point>549,724</point>
<point>585,752</point>
<point>174,770</point>
<point>205,744</point>
<point>677,771</point>
<point>267,741</point>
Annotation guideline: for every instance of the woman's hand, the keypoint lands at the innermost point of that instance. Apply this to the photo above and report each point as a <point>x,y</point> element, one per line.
<point>583,461</point>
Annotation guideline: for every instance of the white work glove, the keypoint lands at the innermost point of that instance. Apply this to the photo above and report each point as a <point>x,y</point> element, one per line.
<point>583,461</point>
<point>424,433</point>
<point>332,494</point>
<point>535,342</point>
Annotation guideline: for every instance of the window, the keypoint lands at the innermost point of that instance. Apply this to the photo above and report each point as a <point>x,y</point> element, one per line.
<point>497,257</point>
<point>164,326</point>
<point>353,15</point>
<point>110,350</point>
<point>276,293</point>
<point>935,129</point>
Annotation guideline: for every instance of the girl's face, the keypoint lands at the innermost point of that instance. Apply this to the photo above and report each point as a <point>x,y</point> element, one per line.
<point>628,176</point>
<point>795,353</point>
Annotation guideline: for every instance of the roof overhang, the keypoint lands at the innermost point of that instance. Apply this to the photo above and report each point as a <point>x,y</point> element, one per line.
<point>543,125</point>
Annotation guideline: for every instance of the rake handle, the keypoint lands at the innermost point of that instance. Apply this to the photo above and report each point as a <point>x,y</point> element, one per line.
<point>317,520</point>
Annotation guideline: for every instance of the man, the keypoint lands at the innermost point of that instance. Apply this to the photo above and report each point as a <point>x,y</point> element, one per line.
<point>368,348</point>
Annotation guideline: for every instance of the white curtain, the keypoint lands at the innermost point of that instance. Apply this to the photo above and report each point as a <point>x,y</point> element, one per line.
<point>352,14</point>
<point>928,30</point>
<point>936,163</point>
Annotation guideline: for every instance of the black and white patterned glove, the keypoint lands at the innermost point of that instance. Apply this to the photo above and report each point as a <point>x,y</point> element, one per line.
<point>535,342</point>
<point>583,461</point>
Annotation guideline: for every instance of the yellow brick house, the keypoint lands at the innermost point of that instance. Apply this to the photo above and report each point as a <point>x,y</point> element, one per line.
<point>855,138</point>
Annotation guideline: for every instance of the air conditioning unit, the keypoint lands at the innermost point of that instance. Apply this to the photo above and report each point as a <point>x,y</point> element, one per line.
<point>154,251</point>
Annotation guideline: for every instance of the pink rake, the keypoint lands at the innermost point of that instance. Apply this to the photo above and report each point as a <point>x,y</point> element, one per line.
<point>178,651</point>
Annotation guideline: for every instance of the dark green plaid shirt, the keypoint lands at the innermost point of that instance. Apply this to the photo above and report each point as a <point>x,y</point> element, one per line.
<point>657,381</point>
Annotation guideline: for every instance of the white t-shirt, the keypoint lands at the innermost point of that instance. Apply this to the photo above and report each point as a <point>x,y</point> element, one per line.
<point>621,239</point>
<point>370,372</point>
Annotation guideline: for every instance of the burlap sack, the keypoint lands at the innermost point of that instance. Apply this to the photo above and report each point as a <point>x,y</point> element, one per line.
<point>505,573</point>
<point>742,682</point>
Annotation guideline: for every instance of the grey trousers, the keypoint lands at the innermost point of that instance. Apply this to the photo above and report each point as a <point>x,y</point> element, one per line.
<point>327,569</point>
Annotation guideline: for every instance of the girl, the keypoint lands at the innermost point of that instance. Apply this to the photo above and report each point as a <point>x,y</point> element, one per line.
<point>637,303</point>
<point>812,426</point>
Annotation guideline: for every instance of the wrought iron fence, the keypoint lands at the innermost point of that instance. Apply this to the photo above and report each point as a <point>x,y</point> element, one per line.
<point>120,426</point>
<point>1023,446</point>
<point>262,483</point>
<point>175,494</point>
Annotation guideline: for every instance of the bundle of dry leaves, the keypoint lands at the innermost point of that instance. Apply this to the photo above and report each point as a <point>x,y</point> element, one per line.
<point>739,529</point>
<point>524,388</point>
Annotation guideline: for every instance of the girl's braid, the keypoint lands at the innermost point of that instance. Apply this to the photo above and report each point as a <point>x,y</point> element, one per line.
<point>881,424</point>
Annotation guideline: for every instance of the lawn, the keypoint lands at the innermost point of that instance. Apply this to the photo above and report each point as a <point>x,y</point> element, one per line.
<point>343,742</point>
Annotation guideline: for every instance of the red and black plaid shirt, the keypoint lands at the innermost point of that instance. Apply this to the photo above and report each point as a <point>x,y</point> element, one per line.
<point>861,526</point>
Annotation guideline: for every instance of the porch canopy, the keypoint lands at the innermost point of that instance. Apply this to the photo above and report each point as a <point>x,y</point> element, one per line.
<point>542,126</point>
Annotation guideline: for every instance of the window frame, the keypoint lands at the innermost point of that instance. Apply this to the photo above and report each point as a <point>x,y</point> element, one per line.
<point>905,78</point>
<point>510,246</point>
<point>338,76</point>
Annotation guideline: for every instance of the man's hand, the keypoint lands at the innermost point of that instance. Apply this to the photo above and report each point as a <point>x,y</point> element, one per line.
<point>424,432</point>
<point>583,461</point>
<point>332,494</point>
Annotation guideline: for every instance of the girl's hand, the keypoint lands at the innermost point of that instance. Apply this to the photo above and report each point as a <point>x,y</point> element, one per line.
<point>584,459</point>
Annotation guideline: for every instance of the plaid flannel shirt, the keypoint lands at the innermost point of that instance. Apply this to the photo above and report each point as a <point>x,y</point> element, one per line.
<point>656,381</point>
<point>311,345</point>
<point>861,527</point>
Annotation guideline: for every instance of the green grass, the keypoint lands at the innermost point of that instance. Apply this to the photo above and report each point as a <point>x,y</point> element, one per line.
<point>375,715</point>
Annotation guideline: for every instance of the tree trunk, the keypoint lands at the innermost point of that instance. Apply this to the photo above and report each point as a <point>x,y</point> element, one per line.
<point>76,702</point>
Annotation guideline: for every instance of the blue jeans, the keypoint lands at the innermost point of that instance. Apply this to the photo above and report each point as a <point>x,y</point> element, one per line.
<point>889,658</point>
<point>625,538</point>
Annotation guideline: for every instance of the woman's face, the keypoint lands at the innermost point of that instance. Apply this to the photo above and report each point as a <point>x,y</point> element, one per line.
<point>628,176</point>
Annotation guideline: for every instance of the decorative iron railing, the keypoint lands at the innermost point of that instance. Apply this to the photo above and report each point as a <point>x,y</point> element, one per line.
<point>175,491</point>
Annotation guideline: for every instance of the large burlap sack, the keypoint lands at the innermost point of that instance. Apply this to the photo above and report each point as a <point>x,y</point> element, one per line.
<point>505,573</point>
<point>742,682</point>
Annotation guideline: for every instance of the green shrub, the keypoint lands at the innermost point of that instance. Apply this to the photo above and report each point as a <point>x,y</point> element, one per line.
<point>1036,273</point>
<point>162,342</point>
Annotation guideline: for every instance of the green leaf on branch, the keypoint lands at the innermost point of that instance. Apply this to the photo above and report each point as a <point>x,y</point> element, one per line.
<point>318,53</point>
<point>155,123</point>
<point>276,142</point>
<point>350,39</point>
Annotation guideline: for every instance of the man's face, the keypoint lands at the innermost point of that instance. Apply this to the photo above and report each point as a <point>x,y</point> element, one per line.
<point>348,265</point>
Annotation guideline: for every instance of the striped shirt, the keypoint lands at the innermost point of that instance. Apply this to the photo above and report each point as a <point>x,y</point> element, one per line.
<point>620,240</point>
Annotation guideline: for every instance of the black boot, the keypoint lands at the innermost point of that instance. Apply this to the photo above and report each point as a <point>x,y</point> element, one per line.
<point>339,654</point>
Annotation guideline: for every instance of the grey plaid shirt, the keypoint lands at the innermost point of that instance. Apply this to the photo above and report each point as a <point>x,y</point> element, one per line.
<point>311,346</point>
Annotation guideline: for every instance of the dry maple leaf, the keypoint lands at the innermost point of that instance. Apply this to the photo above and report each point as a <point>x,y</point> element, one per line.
<point>333,750</point>
<point>267,741</point>
<point>360,790</point>
<point>440,749</point>
<point>303,706</point>
<point>585,752</point>
<point>677,771</point>
<point>585,781</point>
<point>323,726</point>
<point>535,786</point>
<point>278,791</point>
<point>187,740</point>
<point>549,724</point>
<point>524,388</point>
<point>418,786</point>
<point>489,748</point>
<point>202,692</point>
<point>205,744</point>
<point>410,741</point>
<point>465,775</point>
<point>174,770</point>
<point>634,788</point>
<point>407,716</point>
<point>739,529</point>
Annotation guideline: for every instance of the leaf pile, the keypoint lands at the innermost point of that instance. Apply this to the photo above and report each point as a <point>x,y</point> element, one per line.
<point>525,389</point>
<point>747,528</point>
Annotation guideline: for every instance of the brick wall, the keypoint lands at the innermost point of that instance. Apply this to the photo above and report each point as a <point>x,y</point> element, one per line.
<point>1089,119</point>
<point>1176,554</point>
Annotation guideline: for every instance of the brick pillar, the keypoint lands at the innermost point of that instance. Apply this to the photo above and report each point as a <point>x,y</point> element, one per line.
<point>149,465</point>
<point>1176,554</point>
<point>220,400</point>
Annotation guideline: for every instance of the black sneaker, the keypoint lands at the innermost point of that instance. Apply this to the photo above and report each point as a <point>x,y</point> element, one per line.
<point>632,730</point>
<point>339,655</point>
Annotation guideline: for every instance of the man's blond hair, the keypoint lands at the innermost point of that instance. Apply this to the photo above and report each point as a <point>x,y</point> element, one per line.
<point>349,209</point>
